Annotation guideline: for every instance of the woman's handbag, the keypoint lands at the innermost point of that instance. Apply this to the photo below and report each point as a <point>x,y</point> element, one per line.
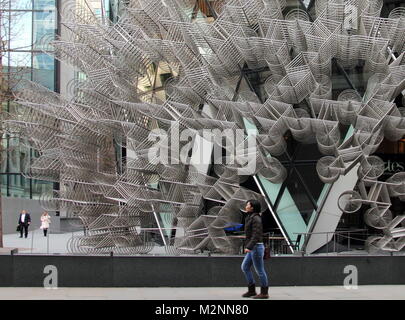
<point>266,253</point>
<point>18,228</point>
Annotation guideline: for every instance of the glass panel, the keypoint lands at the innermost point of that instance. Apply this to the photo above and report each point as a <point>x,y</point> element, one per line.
<point>324,192</point>
<point>43,61</point>
<point>326,187</point>
<point>166,221</point>
<point>4,28</point>
<point>287,211</point>
<point>44,5</point>
<point>4,185</point>
<point>20,63</point>
<point>4,154</point>
<point>291,145</point>
<point>20,60</point>
<point>18,156</point>
<point>298,194</point>
<point>43,70</point>
<point>21,4</point>
<point>311,179</point>
<point>44,29</point>
<point>4,63</point>
<point>308,152</point>
<point>19,186</point>
<point>21,31</point>
<point>107,8</point>
<point>40,187</point>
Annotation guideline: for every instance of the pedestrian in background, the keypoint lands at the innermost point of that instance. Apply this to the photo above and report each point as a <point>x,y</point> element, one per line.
<point>45,221</point>
<point>254,249</point>
<point>24,221</point>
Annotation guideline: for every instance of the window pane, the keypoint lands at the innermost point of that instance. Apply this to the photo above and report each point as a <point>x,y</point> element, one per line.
<point>19,186</point>
<point>4,185</point>
<point>311,179</point>
<point>40,187</point>
<point>4,27</point>
<point>21,4</point>
<point>44,5</point>
<point>20,68</point>
<point>43,70</point>
<point>4,154</point>
<point>45,78</point>
<point>5,67</point>
<point>44,29</point>
<point>43,61</point>
<point>287,210</point>
<point>107,8</point>
<point>298,194</point>
<point>18,156</point>
<point>20,59</point>
<point>21,31</point>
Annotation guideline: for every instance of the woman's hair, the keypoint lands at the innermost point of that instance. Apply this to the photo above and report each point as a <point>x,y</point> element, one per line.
<point>256,205</point>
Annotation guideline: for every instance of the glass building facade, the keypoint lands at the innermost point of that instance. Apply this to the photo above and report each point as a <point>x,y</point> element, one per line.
<point>28,25</point>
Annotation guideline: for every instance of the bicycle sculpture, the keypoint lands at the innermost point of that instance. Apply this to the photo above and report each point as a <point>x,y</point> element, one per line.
<point>126,207</point>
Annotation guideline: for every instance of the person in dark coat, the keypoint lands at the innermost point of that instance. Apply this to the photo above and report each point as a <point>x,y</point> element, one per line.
<point>254,249</point>
<point>24,221</point>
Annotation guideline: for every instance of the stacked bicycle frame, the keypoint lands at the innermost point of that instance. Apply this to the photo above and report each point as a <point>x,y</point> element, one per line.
<point>125,210</point>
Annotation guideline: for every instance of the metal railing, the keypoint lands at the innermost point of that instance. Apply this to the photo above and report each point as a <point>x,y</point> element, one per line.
<point>40,231</point>
<point>337,242</point>
<point>337,238</point>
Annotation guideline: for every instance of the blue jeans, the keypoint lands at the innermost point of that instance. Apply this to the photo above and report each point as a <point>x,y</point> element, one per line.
<point>255,258</point>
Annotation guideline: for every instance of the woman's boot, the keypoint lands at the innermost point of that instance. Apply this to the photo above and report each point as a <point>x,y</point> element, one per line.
<point>264,293</point>
<point>251,291</point>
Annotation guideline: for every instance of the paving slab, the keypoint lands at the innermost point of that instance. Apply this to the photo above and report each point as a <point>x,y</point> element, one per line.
<point>380,292</point>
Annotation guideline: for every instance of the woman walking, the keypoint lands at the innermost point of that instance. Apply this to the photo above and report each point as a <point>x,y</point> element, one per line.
<point>254,250</point>
<point>45,221</point>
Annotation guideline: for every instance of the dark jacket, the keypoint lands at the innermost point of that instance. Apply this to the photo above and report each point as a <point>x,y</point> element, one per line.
<point>253,230</point>
<point>26,220</point>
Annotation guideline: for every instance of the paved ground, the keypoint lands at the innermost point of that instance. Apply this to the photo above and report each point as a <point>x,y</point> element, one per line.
<point>380,292</point>
<point>36,243</point>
